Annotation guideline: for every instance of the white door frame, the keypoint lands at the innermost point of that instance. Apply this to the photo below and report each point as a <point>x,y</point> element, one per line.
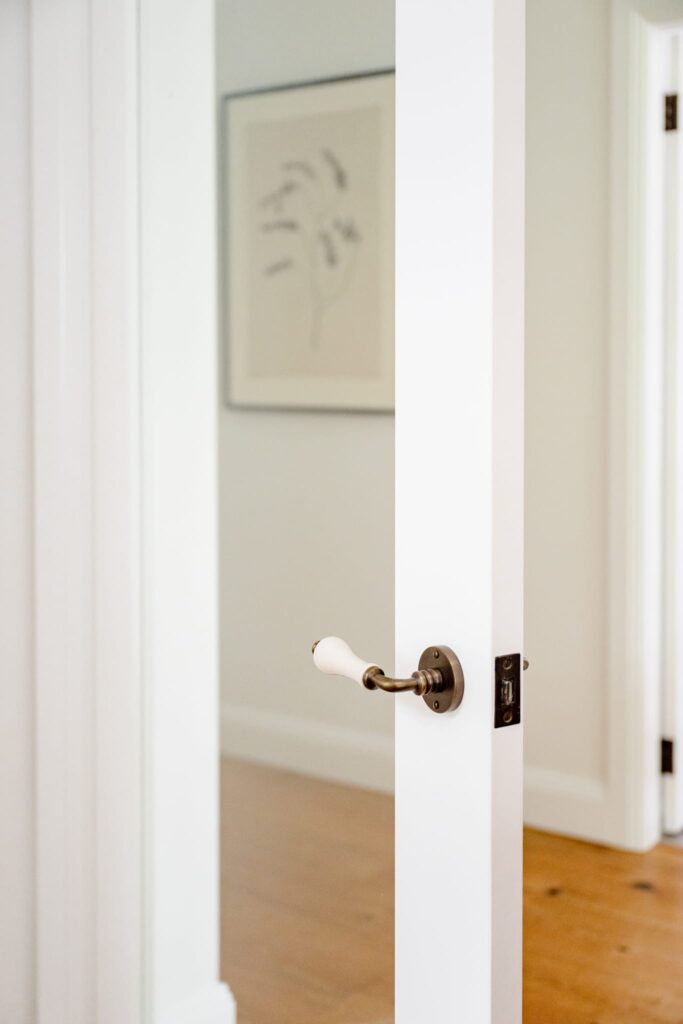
<point>627,812</point>
<point>86,492</point>
<point>670,51</point>
<point>124,355</point>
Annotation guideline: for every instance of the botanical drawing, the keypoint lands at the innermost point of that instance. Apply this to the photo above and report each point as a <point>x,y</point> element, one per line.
<point>309,208</point>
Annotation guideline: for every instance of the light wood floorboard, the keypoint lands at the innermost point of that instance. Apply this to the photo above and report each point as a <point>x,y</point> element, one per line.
<point>307,913</point>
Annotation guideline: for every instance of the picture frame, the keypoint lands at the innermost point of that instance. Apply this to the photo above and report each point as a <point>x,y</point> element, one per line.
<point>308,245</point>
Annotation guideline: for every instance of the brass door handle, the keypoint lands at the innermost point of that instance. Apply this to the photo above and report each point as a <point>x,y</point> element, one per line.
<point>438,679</point>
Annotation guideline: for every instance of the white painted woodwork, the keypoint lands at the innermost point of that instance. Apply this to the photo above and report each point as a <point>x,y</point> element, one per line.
<point>86,467</point>
<point>179,533</point>
<point>459,503</point>
<point>116,421</point>
<point>630,813</point>
<point>17,849</point>
<point>671,65</point>
<point>333,656</point>
<point>123,315</point>
<point>625,811</point>
<point>85,353</point>
<point>62,358</point>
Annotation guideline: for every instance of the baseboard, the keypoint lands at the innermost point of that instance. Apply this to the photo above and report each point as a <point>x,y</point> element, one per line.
<point>568,804</point>
<point>214,1005</point>
<point>553,801</point>
<point>329,752</point>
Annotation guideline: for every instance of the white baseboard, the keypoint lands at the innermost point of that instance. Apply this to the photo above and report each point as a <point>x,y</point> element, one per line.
<point>329,752</point>
<point>554,801</point>
<point>214,1005</point>
<point>568,804</point>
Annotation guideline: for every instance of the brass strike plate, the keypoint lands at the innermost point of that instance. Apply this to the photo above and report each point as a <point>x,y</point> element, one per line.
<point>508,691</point>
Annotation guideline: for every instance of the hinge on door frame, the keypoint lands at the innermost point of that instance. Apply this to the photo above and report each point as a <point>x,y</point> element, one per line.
<point>671,112</point>
<point>667,757</point>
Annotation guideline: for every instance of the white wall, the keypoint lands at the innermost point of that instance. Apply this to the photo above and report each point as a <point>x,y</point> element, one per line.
<point>568,70</point>
<point>307,499</point>
<point>16,721</point>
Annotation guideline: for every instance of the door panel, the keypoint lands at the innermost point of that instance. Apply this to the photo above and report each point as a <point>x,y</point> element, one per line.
<point>459,457</point>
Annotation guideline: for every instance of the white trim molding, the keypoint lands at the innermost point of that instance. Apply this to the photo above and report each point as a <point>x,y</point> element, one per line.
<point>179,500</point>
<point>671,81</point>
<point>64,543</point>
<point>125,539</point>
<point>631,816</point>
<point>569,804</point>
<point>214,1005</point>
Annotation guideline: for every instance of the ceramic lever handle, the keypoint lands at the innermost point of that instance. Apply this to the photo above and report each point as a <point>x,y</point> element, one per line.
<point>438,679</point>
<point>334,657</point>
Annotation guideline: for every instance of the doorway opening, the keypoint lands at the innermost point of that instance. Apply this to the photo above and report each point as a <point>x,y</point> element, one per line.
<point>307,811</point>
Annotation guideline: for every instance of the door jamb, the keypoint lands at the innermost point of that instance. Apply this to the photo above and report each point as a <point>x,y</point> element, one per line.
<point>671,58</point>
<point>125,538</point>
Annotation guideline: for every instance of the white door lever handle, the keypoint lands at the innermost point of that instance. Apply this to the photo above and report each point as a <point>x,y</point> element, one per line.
<point>438,679</point>
<point>334,657</point>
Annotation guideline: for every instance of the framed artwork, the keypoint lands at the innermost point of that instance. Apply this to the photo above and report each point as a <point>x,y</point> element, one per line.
<point>308,245</point>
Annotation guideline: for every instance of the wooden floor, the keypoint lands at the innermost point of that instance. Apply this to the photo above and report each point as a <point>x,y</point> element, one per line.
<point>307,913</point>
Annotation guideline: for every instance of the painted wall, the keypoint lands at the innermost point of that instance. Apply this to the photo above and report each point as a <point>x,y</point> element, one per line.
<point>16,720</point>
<point>568,70</point>
<point>307,506</point>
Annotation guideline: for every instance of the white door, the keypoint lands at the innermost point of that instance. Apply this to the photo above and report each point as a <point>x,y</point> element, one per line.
<point>459,509</point>
<point>459,505</point>
<point>669,68</point>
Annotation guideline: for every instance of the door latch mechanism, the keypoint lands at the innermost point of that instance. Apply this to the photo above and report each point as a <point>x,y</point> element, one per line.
<point>438,679</point>
<point>508,691</point>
